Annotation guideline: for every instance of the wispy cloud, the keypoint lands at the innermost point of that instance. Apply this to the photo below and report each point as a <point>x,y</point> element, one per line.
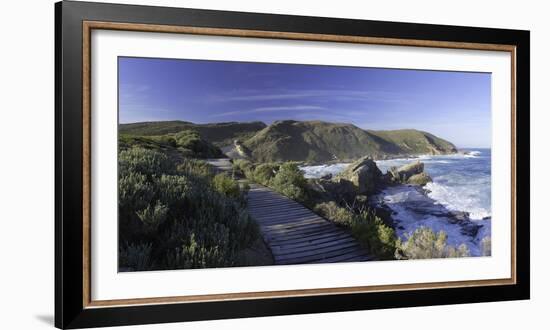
<point>331,94</point>
<point>287,108</point>
<point>270,109</point>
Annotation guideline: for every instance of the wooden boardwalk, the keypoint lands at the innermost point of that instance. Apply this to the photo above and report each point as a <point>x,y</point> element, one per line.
<point>220,164</point>
<point>295,234</point>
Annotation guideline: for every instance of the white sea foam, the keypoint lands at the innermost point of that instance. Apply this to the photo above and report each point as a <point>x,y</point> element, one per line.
<point>317,171</point>
<point>460,198</point>
<point>412,210</point>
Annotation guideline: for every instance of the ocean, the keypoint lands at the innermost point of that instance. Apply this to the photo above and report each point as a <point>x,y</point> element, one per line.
<point>461,184</point>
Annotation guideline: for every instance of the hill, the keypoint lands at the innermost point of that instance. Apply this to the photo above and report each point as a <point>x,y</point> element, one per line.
<point>220,134</point>
<point>174,145</point>
<point>317,141</point>
<point>414,142</point>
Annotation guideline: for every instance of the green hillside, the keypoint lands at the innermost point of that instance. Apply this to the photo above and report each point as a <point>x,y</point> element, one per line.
<point>220,134</point>
<point>174,145</point>
<point>317,141</point>
<point>411,141</point>
<point>287,140</point>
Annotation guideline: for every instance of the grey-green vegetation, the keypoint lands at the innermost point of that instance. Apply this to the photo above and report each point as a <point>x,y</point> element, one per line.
<point>184,144</point>
<point>219,134</point>
<point>178,215</point>
<point>424,243</point>
<point>365,226</point>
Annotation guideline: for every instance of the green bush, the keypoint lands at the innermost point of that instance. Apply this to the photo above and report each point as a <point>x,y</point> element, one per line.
<point>178,216</point>
<point>143,161</point>
<point>379,238</point>
<point>335,213</point>
<point>366,227</point>
<point>423,243</point>
<point>164,140</point>
<point>192,167</point>
<point>226,186</point>
<point>486,246</point>
<point>135,256</point>
<point>264,173</point>
<point>192,141</point>
<point>153,216</point>
<point>243,168</point>
<point>290,182</point>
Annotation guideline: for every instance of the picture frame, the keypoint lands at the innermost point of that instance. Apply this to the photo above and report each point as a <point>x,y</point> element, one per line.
<point>74,304</point>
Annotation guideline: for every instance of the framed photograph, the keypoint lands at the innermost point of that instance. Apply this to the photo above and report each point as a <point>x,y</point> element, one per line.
<point>215,164</point>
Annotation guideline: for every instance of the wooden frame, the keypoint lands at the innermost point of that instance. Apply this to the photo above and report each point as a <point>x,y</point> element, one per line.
<point>74,23</point>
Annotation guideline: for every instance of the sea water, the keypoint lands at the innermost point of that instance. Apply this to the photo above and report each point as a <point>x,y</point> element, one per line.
<point>461,184</point>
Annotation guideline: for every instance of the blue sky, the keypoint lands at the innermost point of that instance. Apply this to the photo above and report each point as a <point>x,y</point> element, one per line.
<point>453,105</point>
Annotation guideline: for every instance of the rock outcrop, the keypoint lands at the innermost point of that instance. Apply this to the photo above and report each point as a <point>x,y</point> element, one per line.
<point>420,179</point>
<point>364,178</point>
<point>360,178</point>
<point>412,173</point>
<point>363,174</point>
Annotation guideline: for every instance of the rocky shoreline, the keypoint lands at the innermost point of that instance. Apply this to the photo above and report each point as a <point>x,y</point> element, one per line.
<point>363,185</point>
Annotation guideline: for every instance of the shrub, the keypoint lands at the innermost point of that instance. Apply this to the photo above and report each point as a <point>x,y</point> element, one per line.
<point>423,243</point>
<point>135,192</point>
<point>143,161</point>
<point>243,168</point>
<point>486,246</point>
<point>335,213</point>
<point>192,141</point>
<point>193,167</point>
<point>460,252</point>
<point>153,216</point>
<point>164,140</point>
<point>135,256</point>
<point>264,173</point>
<point>290,182</point>
<point>371,231</point>
<point>366,227</point>
<point>178,217</point>
<point>226,186</point>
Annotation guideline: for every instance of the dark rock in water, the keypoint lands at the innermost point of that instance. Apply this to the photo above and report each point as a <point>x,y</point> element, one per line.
<point>327,176</point>
<point>334,189</point>
<point>340,188</point>
<point>408,170</point>
<point>420,179</point>
<point>469,228</point>
<point>412,173</point>
<point>363,174</point>
<point>384,213</point>
<point>460,215</point>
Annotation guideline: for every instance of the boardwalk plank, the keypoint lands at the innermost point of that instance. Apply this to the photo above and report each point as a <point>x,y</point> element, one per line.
<point>348,257</point>
<point>295,224</point>
<point>319,257</point>
<point>299,231</point>
<point>282,250</point>
<point>290,237</point>
<point>309,240</point>
<point>316,252</point>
